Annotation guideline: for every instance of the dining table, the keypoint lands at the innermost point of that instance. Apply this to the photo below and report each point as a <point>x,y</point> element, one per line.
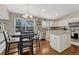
<point>20,40</point>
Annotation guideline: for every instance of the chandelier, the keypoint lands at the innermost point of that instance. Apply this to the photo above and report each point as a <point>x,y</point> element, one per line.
<point>27,15</point>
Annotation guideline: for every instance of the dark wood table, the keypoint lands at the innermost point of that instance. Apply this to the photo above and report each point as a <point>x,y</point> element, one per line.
<point>20,46</point>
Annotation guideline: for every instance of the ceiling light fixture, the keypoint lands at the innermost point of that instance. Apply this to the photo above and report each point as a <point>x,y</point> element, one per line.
<point>27,15</point>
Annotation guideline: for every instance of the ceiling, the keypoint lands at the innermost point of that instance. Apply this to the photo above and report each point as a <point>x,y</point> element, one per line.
<point>49,11</point>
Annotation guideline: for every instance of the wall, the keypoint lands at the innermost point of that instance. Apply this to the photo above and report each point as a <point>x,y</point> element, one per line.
<point>2,25</point>
<point>9,25</point>
<point>4,15</point>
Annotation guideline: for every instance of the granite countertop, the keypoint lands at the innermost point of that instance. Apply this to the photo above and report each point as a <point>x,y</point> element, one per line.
<point>59,32</point>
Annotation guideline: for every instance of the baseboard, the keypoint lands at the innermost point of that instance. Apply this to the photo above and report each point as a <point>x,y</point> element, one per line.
<point>55,50</point>
<point>60,52</point>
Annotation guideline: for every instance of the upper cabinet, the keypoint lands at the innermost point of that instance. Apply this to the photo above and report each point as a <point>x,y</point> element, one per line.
<point>63,23</point>
<point>4,15</point>
<point>55,23</point>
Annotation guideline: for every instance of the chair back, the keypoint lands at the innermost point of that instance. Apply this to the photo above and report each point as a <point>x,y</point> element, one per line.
<point>37,34</point>
<point>27,32</point>
<point>7,36</point>
<point>2,44</point>
<point>25,41</point>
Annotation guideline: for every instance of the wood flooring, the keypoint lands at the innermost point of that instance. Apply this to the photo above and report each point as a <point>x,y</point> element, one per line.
<point>45,49</point>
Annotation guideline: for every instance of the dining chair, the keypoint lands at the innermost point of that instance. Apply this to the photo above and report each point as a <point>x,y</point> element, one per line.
<point>2,44</point>
<point>9,42</point>
<point>26,42</point>
<point>35,37</point>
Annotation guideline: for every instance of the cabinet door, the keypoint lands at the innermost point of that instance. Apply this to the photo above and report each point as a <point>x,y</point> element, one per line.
<point>63,23</point>
<point>64,44</point>
<point>48,35</point>
<point>55,42</point>
<point>52,41</point>
<point>68,40</point>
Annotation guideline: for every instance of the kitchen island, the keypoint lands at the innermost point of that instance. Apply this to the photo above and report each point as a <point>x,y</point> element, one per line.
<point>60,40</point>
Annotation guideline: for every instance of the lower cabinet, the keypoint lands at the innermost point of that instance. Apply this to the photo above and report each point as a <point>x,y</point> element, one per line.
<point>59,42</point>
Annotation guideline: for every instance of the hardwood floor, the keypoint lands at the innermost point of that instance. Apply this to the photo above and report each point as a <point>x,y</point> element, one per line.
<point>45,49</point>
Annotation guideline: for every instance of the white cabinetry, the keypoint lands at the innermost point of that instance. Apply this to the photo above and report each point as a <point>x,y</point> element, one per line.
<point>64,41</point>
<point>55,42</point>
<point>59,41</point>
<point>55,23</point>
<point>63,23</point>
<point>48,35</point>
<point>51,23</point>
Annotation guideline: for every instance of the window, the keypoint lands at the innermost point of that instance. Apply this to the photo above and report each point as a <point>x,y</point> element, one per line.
<point>23,24</point>
<point>45,23</point>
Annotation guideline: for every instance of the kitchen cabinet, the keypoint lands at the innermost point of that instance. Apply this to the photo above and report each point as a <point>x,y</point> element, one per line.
<point>48,35</point>
<point>63,23</point>
<point>59,40</point>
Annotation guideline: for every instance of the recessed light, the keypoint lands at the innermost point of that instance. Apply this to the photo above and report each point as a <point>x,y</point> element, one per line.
<point>57,14</point>
<point>43,10</point>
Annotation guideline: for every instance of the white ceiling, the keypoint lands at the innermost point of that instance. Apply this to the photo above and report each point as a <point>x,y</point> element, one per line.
<point>50,11</point>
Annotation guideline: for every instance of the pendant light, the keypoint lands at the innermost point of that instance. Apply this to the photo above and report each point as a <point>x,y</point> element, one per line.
<point>27,15</point>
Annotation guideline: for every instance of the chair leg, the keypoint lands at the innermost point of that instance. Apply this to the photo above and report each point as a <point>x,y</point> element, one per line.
<point>8,48</point>
<point>36,42</point>
<point>5,51</point>
<point>39,42</point>
<point>31,51</point>
<point>31,48</point>
<point>18,48</point>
